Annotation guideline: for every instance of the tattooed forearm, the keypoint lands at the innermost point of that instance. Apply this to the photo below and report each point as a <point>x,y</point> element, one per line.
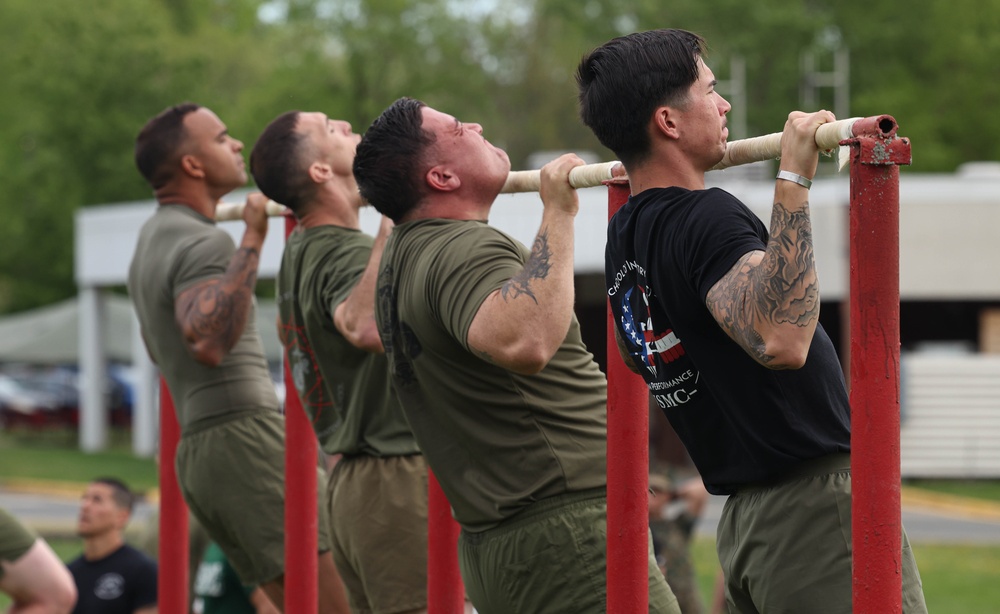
<point>537,267</point>
<point>782,288</point>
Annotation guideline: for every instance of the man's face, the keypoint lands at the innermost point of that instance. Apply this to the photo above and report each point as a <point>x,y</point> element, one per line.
<point>329,140</point>
<point>703,119</point>
<point>99,514</point>
<point>219,154</point>
<point>462,148</point>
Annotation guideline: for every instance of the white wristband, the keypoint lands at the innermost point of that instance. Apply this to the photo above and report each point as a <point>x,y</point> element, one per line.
<point>795,178</point>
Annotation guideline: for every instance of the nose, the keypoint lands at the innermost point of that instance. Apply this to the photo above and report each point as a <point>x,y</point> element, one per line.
<point>475,128</point>
<point>724,106</point>
<point>237,145</point>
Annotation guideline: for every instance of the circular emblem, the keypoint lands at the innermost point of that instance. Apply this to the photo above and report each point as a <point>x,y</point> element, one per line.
<point>109,586</point>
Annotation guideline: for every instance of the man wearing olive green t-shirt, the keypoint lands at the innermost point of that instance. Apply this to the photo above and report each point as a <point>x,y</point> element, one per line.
<point>506,402</point>
<point>377,492</point>
<point>193,294</point>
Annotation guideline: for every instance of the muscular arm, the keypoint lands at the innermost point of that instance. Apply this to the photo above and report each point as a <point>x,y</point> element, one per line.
<point>768,302</point>
<point>213,314</point>
<point>521,326</point>
<point>355,316</point>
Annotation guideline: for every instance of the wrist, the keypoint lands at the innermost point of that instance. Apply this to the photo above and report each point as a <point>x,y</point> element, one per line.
<point>801,180</point>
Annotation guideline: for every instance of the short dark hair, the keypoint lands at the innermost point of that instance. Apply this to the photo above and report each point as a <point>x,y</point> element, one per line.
<point>157,147</point>
<point>623,81</point>
<point>387,165</point>
<point>123,497</point>
<point>277,165</point>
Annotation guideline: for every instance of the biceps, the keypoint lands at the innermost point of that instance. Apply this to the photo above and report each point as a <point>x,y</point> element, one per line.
<point>730,301</point>
<point>201,309</point>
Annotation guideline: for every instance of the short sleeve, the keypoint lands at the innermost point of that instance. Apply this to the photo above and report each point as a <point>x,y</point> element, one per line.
<point>204,256</point>
<point>475,264</point>
<point>720,231</point>
<point>145,583</point>
<point>341,271</point>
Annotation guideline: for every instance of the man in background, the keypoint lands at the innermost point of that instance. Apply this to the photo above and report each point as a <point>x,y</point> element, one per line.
<point>111,576</point>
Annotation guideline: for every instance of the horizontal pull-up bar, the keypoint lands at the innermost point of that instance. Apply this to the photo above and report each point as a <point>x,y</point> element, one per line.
<point>743,151</point>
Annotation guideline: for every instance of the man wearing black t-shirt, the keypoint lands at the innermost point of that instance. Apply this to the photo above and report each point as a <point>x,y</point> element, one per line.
<point>111,576</point>
<point>720,318</point>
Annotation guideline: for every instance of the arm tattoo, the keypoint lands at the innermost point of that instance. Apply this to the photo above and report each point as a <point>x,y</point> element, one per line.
<point>483,354</point>
<point>219,309</point>
<point>782,288</point>
<point>537,267</point>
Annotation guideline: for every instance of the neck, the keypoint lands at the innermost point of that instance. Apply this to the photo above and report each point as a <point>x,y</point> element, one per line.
<point>100,546</point>
<point>665,174</point>
<point>450,208</point>
<point>199,200</point>
<point>336,205</point>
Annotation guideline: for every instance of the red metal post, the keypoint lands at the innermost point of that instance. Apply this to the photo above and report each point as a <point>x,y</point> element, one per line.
<point>173,536</point>
<point>876,154</point>
<point>301,524</point>
<point>628,468</point>
<point>445,591</point>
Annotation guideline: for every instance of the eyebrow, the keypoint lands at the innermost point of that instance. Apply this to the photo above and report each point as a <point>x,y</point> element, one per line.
<point>224,132</point>
<point>713,83</point>
<point>458,125</point>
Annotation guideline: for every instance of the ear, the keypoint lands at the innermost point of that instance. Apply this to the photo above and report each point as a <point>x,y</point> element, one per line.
<point>665,122</point>
<point>192,166</point>
<point>320,172</point>
<point>442,179</point>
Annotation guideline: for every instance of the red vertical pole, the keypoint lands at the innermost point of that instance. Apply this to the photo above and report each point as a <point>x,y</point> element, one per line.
<point>301,524</point>
<point>445,591</point>
<point>628,468</point>
<point>874,248</point>
<point>173,537</point>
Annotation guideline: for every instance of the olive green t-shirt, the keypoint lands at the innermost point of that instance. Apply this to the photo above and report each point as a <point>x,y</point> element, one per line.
<point>177,248</point>
<point>345,390</point>
<point>496,440</point>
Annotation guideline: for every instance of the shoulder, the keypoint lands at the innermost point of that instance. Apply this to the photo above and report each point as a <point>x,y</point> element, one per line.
<point>136,557</point>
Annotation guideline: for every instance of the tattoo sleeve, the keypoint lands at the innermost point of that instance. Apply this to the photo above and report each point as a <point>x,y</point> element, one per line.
<point>780,289</point>
<point>537,267</point>
<point>216,311</point>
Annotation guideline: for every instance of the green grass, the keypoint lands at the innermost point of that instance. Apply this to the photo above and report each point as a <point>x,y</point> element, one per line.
<point>53,456</point>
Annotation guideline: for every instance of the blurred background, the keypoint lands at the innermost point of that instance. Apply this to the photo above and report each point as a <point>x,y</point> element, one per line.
<point>78,80</point>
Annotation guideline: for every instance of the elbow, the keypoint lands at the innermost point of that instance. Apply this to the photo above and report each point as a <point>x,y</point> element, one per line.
<point>364,337</point>
<point>367,340</point>
<point>787,356</point>
<point>528,358</point>
<point>208,354</point>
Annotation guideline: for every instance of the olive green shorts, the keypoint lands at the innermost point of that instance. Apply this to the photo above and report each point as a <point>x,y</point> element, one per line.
<point>232,475</point>
<point>550,558</point>
<point>786,548</point>
<point>378,524</point>
<point>15,539</point>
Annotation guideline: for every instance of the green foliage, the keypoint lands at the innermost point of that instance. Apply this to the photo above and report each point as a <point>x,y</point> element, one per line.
<point>81,78</point>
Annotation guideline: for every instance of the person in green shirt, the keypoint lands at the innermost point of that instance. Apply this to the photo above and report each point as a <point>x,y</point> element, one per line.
<point>485,352</point>
<point>377,492</point>
<point>193,293</point>
<point>218,590</point>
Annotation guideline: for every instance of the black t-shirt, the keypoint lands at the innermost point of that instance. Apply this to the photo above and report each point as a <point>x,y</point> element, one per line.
<point>120,583</point>
<point>741,422</point>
